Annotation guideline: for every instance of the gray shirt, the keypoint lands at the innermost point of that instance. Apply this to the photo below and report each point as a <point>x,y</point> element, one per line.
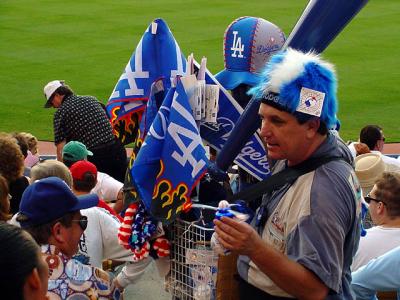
<point>315,222</point>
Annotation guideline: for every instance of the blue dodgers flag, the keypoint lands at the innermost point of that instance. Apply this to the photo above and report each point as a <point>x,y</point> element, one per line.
<point>171,160</point>
<point>156,56</point>
<point>252,158</point>
<point>157,94</point>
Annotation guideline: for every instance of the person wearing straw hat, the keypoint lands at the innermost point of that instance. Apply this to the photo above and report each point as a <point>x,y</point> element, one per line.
<point>368,168</point>
<point>301,242</point>
<point>384,208</point>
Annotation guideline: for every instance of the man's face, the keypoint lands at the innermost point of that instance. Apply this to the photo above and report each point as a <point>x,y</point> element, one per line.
<point>282,135</point>
<point>381,142</point>
<point>56,101</point>
<point>375,206</point>
<point>73,235</point>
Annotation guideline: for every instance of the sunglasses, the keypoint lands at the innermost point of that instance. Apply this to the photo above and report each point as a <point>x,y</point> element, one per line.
<point>368,199</point>
<point>83,221</point>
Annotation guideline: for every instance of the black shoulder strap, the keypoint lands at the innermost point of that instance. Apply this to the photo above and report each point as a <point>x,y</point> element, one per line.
<point>274,182</point>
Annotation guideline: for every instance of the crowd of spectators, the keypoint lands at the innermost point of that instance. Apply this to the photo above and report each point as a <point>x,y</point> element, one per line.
<point>60,218</point>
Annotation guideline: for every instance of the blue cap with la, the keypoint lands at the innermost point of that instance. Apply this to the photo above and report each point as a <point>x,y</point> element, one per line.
<point>248,44</point>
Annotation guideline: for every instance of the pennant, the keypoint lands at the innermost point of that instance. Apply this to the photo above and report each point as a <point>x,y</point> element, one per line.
<point>172,158</point>
<point>156,56</point>
<point>253,157</point>
<point>157,94</point>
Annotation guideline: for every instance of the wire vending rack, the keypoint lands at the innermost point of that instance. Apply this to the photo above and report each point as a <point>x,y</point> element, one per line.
<point>193,262</point>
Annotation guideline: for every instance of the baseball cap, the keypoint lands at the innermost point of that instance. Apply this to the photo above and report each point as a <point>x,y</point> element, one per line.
<point>368,168</point>
<point>49,199</point>
<point>80,168</point>
<point>248,44</point>
<point>302,84</point>
<point>74,151</point>
<point>49,90</point>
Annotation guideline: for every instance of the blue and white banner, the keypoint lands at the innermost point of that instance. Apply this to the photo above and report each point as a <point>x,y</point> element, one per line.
<point>171,160</point>
<point>252,158</point>
<point>156,56</point>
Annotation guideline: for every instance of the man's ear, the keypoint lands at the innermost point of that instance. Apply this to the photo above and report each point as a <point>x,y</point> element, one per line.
<point>57,231</point>
<point>380,208</point>
<point>33,280</point>
<point>313,126</point>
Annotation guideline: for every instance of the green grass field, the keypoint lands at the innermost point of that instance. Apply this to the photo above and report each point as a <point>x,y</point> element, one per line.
<point>88,43</point>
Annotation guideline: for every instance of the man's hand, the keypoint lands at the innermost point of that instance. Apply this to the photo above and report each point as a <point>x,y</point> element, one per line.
<point>59,149</point>
<point>238,236</point>
<point>117,285</point>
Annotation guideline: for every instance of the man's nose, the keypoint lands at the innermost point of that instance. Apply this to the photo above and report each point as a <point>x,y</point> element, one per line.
<point>265,130</point>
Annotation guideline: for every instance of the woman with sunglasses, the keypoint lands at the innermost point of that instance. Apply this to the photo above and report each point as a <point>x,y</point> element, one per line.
<point>384,207</point>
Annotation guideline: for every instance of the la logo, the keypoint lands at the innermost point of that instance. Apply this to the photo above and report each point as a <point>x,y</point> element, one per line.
<point>237,45</point>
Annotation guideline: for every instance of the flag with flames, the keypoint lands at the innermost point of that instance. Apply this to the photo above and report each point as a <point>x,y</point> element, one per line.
<point>172,158</point>
<point>156,56</point>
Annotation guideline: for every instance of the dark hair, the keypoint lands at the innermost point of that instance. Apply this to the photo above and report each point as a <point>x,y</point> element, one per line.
<point>41,233</point>
<point>240,94</point>
<point>4,190</point>
<point>370,135</point>
<point>19,256</point>
<point>62,90</point>
<point>86,184</point>
<point>300,117</point>
<point>388,190</point>
<point>68,163</point>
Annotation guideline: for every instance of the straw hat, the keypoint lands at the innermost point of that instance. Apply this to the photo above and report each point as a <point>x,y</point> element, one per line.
<point>369,167</point>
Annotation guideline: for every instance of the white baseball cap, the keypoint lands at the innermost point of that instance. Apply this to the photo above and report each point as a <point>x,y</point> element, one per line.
<point>49,90</point>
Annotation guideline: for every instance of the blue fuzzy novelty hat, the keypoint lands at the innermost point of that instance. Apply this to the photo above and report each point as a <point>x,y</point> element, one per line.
<point>300,83</point>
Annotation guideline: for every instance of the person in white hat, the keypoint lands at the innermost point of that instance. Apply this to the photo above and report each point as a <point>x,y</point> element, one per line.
<point>301,242</point>
<point>83,119</point>
<point>384,207</point>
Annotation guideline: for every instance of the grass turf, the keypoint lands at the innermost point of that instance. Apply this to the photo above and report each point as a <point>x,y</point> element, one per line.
<point>88,43</point>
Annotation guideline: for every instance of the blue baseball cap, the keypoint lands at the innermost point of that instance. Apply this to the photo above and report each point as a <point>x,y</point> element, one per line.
<point>49,199</point>
<point>249,42</point>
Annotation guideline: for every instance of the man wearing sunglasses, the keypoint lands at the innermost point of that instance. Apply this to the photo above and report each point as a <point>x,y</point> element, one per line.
<point>384,207</point>
<point>50,212</point>
<point>373,137</point>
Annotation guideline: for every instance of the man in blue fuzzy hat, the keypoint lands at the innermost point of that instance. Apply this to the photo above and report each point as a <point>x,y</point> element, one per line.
<point>301,242</point>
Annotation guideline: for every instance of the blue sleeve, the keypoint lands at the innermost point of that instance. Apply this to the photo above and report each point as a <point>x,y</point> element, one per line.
<point>325,241</point>
<point>380,274</point>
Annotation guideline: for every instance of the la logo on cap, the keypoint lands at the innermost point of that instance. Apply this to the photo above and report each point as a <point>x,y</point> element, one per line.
<point>237,45</point>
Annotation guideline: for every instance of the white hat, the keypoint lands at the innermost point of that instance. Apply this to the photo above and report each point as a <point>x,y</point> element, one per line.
<point>49,90</point>
<point>369,167</point>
